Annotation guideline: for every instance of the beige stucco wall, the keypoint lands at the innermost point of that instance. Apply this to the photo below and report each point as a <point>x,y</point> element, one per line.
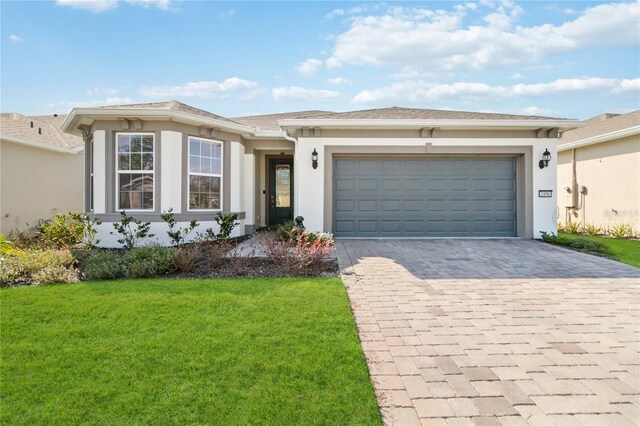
<point>611,173</point>
<point>36,184</point>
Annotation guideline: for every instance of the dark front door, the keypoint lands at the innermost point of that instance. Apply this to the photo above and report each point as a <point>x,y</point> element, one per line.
<point>280,190</point>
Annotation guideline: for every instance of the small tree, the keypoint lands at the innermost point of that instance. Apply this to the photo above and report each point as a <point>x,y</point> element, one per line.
<point>177,235</point>
<point>131,230</point>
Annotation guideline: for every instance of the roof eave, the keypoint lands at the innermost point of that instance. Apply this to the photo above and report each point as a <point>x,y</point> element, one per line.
<point>606,137</point>
<point>563,125</point>
<point>92,114</point>
<point>40,145</point>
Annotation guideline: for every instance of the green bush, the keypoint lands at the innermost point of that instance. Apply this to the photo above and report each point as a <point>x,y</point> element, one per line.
<point>621,231</point>
<point>101,265</point>
<point>67,230</point>
<point>283,232</point>
<point>145,262</point>
<point>37,267</point>
<point>578,243</point>
<point>227,223</point>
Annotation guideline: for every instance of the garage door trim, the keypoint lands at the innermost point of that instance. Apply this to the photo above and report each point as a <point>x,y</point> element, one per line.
<point>524,172</point>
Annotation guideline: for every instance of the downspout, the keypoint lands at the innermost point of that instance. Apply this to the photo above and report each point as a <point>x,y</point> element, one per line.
<point>293,139</point>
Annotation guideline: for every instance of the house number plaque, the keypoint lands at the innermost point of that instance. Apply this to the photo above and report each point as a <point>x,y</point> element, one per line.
<point>545,193</point>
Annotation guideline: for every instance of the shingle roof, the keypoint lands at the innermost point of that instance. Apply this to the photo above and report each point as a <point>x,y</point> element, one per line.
<point>173,106</point>
<point>18,126</point>
<point>424,114</point>
<point>270,121</point>
<point>601,125</point>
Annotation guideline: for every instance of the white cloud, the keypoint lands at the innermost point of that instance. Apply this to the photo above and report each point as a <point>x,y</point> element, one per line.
<point>629,85</point>
<point>160,4</point>
<point>421,91</point>
<point>437,40</point>
<point>294,93</point>
<point>95,6</point>
<point>102,91</point>
<point>517,76</point>
<point>338,80</point>
<point>309,67</point>
<point>244,89</point>
<point>342,12</point>
<point>68,105</point>
<point>534,110</point>
<point>15,38</point>
<point>227,13</point>
<point>334,13</point>
<point>98,6</point>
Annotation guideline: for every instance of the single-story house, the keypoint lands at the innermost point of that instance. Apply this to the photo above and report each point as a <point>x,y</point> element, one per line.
<point>390,172</point>
<point>41,170</point>
<point>599,172</point>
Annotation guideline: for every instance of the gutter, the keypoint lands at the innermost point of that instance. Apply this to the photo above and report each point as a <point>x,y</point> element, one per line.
<point>40,145</point>
<point>630,131</point>
<point>187,117</point>
<point>418,124</point>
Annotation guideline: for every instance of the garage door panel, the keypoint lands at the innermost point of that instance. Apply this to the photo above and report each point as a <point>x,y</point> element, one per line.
<point>424,197</point>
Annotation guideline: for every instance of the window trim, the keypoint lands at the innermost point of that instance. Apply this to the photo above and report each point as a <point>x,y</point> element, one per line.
<point>189,173</point>
<point>91,175</point>
<point>118,172</point>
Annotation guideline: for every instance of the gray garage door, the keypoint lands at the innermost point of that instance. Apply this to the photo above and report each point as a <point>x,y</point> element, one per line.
<point>424,197</point>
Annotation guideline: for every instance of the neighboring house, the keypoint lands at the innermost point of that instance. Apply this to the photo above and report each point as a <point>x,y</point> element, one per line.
<point>41,170</point>
<point>599,172</point>
<point>391,172</point>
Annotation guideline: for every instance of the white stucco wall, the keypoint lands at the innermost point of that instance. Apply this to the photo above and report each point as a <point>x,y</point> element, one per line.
<point>37,184</point>
<point>611,173</point>
<point>99,171</point>
<point>171,171</point>
<point>309,191</point>
<point>159,229</point>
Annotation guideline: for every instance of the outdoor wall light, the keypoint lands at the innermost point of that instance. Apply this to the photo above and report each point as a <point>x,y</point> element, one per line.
<point>546,157</point>
<point>314,159</point>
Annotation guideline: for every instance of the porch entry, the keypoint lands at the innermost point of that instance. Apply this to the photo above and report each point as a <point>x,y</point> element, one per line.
<point>280,195</point>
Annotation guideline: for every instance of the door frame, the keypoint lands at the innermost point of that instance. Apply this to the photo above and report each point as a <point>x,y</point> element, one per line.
<point>267,179</point>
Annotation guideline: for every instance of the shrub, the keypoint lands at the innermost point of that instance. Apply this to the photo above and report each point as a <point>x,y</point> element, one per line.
<point>131,229</point>
<point>179,235</point>
<point>37,267</point>
<point>305,258</point>
<point>102,265</point>
<point>145,262</point>
<point>621,231</point>
<point>7,247</point>
<point>592,229</point>
<point>227,224</point>
<point>67,230</point>
<point>572,227</point>
<point>579,243</point>
<point>283,232</point>
<point>23,239</point>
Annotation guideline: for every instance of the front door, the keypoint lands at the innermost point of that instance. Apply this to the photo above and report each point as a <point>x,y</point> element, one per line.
<point>280,190</point>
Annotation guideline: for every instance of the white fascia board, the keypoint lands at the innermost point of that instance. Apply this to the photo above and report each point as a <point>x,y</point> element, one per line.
<point>142,113</point>
<point>618,134</point>
<point>41,145</point>
<point>266,134</point>
<point>418,124</point>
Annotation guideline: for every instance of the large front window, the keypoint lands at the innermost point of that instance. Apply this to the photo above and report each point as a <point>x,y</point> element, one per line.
<point>135,165</point>
<point>205,174</point>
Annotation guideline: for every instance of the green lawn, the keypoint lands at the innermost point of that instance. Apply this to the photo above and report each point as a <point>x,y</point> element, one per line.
<point>625,250</point>
<point>235,351</point>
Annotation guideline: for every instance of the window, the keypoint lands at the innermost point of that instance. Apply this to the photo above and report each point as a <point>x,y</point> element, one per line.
<point>205,174</point>
<point>135,176</point>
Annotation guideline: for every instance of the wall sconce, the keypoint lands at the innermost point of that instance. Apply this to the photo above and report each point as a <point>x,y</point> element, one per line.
<point>314,159</point>
<point>546,157</point>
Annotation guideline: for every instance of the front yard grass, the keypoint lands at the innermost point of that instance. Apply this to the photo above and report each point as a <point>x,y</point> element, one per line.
<point>625,250</point>
<point>160,351</point>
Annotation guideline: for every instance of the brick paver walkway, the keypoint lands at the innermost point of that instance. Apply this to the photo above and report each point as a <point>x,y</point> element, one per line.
<point>495,331</point>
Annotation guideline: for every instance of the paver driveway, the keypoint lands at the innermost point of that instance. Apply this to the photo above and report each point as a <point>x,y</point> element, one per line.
<point>495,331</point>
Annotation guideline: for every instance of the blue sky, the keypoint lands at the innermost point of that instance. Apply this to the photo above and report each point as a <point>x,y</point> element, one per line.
<point>567,59</point>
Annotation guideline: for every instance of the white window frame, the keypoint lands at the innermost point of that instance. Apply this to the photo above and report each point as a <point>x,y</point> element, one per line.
<point>118,172</point>
<point>189,173</point>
